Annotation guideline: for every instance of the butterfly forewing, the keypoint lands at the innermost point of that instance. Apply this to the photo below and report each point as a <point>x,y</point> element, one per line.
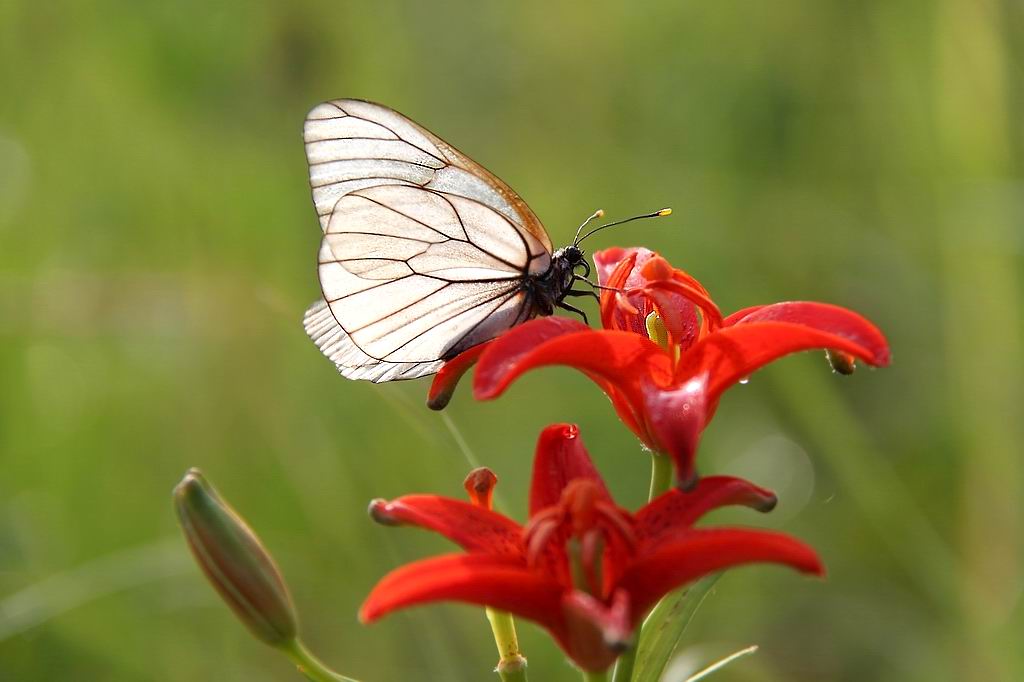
<point>424,252</point>
<point>348,129</point>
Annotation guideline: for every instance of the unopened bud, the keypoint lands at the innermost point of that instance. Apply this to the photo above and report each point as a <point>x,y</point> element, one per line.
<point>480,486</point>
<point>841,362</point>
<point>234,561</point>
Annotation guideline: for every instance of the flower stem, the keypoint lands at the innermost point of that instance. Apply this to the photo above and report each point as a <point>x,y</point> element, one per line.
<point>661,481</point>
<point>595,677</point>
<point>661,475</point>
<point>512,670</point>
<point>624,666</point>
<point>512,665</point>
<point>310,666</point>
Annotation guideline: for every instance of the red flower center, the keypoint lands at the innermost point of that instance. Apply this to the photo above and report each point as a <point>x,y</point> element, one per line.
<point>575,538</point>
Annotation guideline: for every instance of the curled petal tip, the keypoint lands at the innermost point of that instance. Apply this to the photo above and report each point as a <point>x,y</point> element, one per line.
<point>379,510</point>
<point>687,482</point>
<point>555,433</point>
<point>442,388</point>
<point>439,401</point>
<point>619,646</point>
<point>767,503</point>
<point>842,363</point>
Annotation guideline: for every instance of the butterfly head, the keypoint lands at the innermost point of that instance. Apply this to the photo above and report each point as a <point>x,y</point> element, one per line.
<point>571,258</point>
<point>574,255</point>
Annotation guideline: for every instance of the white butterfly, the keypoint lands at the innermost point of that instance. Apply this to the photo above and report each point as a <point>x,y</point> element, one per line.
<point>425,252</point>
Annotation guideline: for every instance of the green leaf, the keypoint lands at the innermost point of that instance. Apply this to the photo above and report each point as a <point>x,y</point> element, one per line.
<point>718,665</point>
<point>664,628</point>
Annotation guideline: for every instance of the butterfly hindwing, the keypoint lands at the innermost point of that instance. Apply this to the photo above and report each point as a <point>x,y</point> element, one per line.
<point>411,276</point>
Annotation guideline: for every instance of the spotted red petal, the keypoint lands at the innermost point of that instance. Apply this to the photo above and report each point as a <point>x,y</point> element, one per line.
<point>597,632</point>
<point>606,356</point>
<point>675,512</point>
<point>560,459</point>
<point>701,552</point>
<point>824,317</point>
<point>619,271</point>
<point>473,528</point>
<point>735,352</point>
<point>501,582</point>
<point>509,350</point>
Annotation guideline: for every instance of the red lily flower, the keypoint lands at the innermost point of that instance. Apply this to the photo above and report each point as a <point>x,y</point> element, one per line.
<point>666,391</point>
<point>583,568</point>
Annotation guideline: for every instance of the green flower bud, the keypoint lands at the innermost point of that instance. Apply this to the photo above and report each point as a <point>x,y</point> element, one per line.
<point>235,561</point>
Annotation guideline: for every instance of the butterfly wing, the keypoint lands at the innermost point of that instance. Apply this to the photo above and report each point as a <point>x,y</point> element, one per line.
<point>411,277</point>
<point>352,144</point>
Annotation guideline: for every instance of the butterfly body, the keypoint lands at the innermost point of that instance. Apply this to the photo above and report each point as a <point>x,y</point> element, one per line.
<point>550,289</point>
<point>425,253</point>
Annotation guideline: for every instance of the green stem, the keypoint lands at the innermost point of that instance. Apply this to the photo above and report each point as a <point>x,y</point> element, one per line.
<point>661,481</point>
<point>309,665</point>
<point>661,475</point>
<point>512,664</point>
<point>595,677</point>
<point>512,669</point>
<point>624,666</point>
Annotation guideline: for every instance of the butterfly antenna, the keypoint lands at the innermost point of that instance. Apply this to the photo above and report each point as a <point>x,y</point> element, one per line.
<point>599,213</point>
<point>656,214</point>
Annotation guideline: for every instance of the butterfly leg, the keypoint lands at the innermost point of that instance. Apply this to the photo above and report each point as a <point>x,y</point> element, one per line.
<point>577,293</point>
<point>573,309</point>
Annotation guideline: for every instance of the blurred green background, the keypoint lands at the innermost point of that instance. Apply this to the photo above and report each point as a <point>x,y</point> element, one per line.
<point>157,247</point>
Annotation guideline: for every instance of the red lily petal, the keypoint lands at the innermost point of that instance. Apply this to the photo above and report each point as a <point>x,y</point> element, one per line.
<point>701,552</point>
<point>501,582</point>
<point>676,511</point>
<point>624,312</point>
<point>598,633</point>
<point>634,270</point>
<point>675,419</point>
<point>447,378</point>
<point>677,306</point>
<point>668,294</point>
<point>628,413</point>
<point>735,352</point>
<point>473,528</point>
<point>824,317</point>
<point>561,458</point>
<point>608,260</point>
<point>735,317</point>
<point>509,349</point>
<point>619,358</point>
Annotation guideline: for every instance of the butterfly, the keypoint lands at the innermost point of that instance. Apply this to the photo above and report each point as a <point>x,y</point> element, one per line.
<point>425,253</point>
